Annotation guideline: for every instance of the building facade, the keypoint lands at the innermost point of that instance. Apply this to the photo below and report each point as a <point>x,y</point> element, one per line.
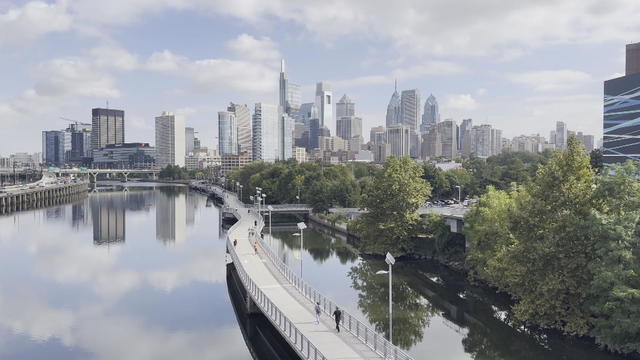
<point>345,107</point>
<point>431,114</point>
<point>324,103</point>
<point>170,142</point>
<point>399,140</point>
<point>125,156</point>
<point>243,124</point>
<point>107,127</point>
<point>56,146</point>
<point>265,133</point>
<point>227,133</point>
<point>410,108</point>
<point>394,115</point>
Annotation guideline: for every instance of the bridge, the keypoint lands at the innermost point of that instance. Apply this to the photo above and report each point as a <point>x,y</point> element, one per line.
<point>287,301</point>
<point>96,172</point>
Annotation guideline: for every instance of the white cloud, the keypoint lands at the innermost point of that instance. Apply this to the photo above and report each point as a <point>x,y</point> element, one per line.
<point>34,19</point>
<point>247,47</point>
<point>114,57</point>
<point>460,102</point>
<point>73,77</point>
<point>552,80</point>
<point>429,68</point>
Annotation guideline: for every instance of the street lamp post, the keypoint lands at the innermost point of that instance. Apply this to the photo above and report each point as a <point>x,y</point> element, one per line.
<point>240,192</point>
<point>301,227</point>
<point>264,201</point>
<point>390,260</point>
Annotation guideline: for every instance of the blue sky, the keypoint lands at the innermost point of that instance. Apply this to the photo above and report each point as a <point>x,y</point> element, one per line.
<point>518,65</point>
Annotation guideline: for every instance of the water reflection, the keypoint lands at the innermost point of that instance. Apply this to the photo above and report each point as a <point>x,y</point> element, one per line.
<point>63,297</point>
<point>171,214</point>
<point>320,246</point>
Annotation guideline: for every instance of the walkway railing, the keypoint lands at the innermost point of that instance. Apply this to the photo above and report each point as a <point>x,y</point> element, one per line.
<point>369,337</point>
<point>303,346</point>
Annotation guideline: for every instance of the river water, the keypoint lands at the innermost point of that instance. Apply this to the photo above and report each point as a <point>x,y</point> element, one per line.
<point>141,275</point>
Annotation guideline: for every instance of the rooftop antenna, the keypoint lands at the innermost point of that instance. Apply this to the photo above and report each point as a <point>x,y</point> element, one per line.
<point>395,87</point>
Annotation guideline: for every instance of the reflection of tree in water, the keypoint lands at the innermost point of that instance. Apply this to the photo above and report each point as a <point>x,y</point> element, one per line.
<point>172,190</point>
<point>320,246</point>
<point>411,313</point>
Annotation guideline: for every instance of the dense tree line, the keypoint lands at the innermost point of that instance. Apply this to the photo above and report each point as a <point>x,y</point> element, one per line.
<point>566,246</point>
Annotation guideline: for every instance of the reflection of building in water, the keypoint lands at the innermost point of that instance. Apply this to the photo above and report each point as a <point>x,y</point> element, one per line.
<point>79,214</point>
<point>194,201</point>
<point>108,217</point>
<point>55,213</point>
<point>170,215</point>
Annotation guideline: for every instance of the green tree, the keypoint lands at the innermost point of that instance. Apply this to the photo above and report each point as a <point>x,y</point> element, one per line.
<point>392,201</point>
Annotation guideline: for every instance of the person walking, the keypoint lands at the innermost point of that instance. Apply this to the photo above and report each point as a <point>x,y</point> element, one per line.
<point>255,247</point>
<point>235,242</point>
<point>337,315</point>
<point>318,311</point>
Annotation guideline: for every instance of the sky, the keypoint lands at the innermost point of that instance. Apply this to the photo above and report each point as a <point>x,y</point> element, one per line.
<point>517,65</point>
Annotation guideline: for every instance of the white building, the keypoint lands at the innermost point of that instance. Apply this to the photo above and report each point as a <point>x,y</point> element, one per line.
<point>243,126</point>
<point>324,103</point>
<point>265,133</point>
<point>399,139</point>
<point>170,142</point>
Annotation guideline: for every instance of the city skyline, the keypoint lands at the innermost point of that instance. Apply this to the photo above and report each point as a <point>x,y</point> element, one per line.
<point>523,81</point>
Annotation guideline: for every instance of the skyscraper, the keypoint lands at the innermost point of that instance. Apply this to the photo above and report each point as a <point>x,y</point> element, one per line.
<point>345,107</point>
<point>307,112</point>
<point>561,135</point>
<point>289,94</point>
<point>265,133</point>
<point>393,109</point>
<point>80,143</point>
<point>189,136</point>
<point>227,133</point>
<point>285,137</point>
<point>621,141</point>
<point>107,127</point>
<point>324,103</point>
<point>447,132</point>
<point>56,145</point>
<point>377,135</point>
<point>170,145</point>
<point>243,126</point>
<point>431,113</point>
<point>348,127</point>
<point>410,108</point>
<point>465,127</point>
<point>399,138</point>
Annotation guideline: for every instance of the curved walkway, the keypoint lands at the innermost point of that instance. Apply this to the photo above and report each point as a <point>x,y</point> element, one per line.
<point>271,283</point>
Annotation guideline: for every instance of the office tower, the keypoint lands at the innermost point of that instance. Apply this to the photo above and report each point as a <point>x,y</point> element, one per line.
<point>561,135</point>
<point>324,103</point>
<point>189,140</point>
<point>552,137</point>
<point>196,143</point>
<point>345,107</point>
<point>632,63</point>
<point>300,135</point>
<point>289,94</point>
<point>621,129</point>
<point>80,144</point>
<point>285,137</point>
<point>447,131</point>
<point>348,127</point>
<point>431,142</point>
<point>431,113</point>
<point>496,141</point>
<point>108,218</point>
<point>377,135</point>
<point>107,127</point>
<point>125,156</point>
<point>307,112</point>
<point>56,145</point>
<point>588,142</point>
<point>243,126</point>
<point>227,133</point>
<point>314,133</point>
<point>170,145</point>
<point>483,141</point>
<point>265,133</point>
<point>410,108</point>
<point>465,127</point>
<point>393,109</point>
<point>399,138</point>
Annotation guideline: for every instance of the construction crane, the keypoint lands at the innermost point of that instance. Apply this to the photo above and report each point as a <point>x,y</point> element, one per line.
<point>76,122</point>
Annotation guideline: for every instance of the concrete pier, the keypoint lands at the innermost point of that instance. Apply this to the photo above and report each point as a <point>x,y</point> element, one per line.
<point>34,196</point>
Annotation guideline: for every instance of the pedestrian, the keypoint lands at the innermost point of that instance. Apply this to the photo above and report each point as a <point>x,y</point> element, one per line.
<point>318,311</point>
<point>337,315</point>
<point>255,247</point>
<point>235,242</point>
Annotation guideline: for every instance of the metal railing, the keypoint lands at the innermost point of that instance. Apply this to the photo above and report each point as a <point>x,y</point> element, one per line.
<point>369,337</point>
<point>295,337</point>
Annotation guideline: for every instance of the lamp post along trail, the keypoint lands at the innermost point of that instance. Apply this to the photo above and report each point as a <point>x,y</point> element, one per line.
<point>390,260</point>
<point>270,209</point>
<point>301,227</point>
<point>459,194</point>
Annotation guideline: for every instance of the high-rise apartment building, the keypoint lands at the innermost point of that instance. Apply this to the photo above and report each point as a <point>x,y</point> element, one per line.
<point>227,133</point>
<point>107,127</point>
<point>324,103</point>
<point>394,115</point>
<point>265,132</point>
<point>243,126</point>
<point>410,108</point>
<point>431,141</point>
<point>399,139</point>
<point>483,141</point>
<point>348,127</point>
<point>170,147</point>
<point>378,135</point>
<point>431,114</point>
<point>448,135</point>
<point>464,129</point>
<point>621,130</point>
<point>345,107</point>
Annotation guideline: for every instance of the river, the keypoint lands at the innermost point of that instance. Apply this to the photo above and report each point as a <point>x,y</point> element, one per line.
<point>141,275</point>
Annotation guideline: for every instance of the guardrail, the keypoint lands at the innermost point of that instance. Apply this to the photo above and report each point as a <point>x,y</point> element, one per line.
<point>357,328</point>
<point>303,346</point>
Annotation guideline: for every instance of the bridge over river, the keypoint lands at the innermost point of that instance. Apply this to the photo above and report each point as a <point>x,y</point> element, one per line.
<point>287,301</point>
